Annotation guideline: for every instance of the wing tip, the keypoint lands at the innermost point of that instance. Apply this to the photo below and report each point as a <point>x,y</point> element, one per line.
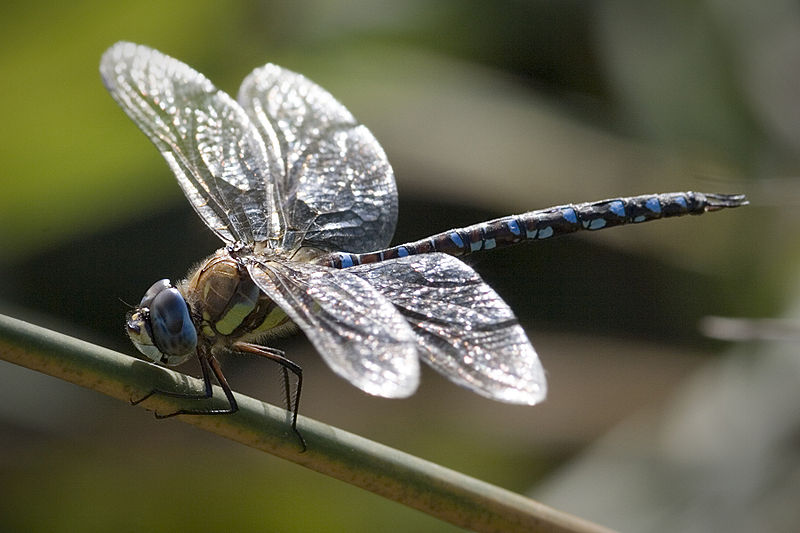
<point>524,397</point>
<point>529,391</point>
<point>399,391</point>
<point>404,384</point>
<point>533,391</point>
<point>117,53</point>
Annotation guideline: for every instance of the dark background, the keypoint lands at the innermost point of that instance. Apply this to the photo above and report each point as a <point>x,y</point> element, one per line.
<point>484,109</point>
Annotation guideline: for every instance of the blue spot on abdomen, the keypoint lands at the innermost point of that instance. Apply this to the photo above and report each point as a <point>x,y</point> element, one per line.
<point>597,223</point>
<point>456,238</point>
<point>570,216</point>
<point>653,205</point>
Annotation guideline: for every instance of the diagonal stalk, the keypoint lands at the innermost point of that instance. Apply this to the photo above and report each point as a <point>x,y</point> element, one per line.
<point>426,486</point>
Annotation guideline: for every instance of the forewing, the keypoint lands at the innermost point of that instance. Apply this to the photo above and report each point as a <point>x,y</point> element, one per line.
<point>215,151</point>
<point>468,332</point>
<point>358,332</point>
<point>339,189</point>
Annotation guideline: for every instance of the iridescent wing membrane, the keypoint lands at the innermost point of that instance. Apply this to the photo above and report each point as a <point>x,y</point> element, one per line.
<point>464,329</point>
<point>288,166</point>
<point>364,338</point>
<point>219,158</point>
<point>338,188</point>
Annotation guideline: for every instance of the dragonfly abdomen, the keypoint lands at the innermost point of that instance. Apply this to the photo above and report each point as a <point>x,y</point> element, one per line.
<point>550,222</point>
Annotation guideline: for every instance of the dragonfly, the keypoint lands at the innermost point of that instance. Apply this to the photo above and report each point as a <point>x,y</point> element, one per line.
<point>304,200</point>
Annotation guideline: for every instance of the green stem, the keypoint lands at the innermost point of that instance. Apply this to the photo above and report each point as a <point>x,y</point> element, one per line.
<point>428,487</point>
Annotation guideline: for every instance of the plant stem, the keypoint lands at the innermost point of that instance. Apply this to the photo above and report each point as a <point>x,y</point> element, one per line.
<point>428,487</point>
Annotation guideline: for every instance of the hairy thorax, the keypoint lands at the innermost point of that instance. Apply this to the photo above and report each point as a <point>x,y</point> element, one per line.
<point>226,304</point>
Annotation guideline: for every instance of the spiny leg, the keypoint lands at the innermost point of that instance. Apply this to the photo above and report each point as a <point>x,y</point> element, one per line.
<point>287,389</point>
<point>207,365</point>
<point>207,393</point>
<point>286,365</point>
<point>286,386</point>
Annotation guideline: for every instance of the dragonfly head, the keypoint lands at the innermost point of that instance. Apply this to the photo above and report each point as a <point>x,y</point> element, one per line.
<point>161,326</point>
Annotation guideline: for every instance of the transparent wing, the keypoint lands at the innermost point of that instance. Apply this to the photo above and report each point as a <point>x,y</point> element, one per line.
<point>358,332</point>
<point>468,332</point>
<point>338,187</point>
<point>217,154</point>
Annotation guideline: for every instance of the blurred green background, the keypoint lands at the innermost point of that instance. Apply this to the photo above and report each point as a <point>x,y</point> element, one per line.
<point>484,109</point>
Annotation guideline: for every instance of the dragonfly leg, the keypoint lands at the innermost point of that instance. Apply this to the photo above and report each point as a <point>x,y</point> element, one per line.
<point>172,394</point>
<point>287,365</point>
<point>207,365</point>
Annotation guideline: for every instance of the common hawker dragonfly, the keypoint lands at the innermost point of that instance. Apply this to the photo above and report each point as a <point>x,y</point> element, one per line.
<point>304,199</point>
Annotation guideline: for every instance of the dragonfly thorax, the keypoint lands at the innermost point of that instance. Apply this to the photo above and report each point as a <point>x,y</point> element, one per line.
<point>217,305</point>
<point>227,305</point>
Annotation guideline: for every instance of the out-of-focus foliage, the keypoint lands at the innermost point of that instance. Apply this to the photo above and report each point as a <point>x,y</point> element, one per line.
<point>484,108</point>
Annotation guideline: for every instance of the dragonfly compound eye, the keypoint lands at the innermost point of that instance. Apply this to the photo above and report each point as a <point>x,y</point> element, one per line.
<point>153,291</point>
<point>171,324</point>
